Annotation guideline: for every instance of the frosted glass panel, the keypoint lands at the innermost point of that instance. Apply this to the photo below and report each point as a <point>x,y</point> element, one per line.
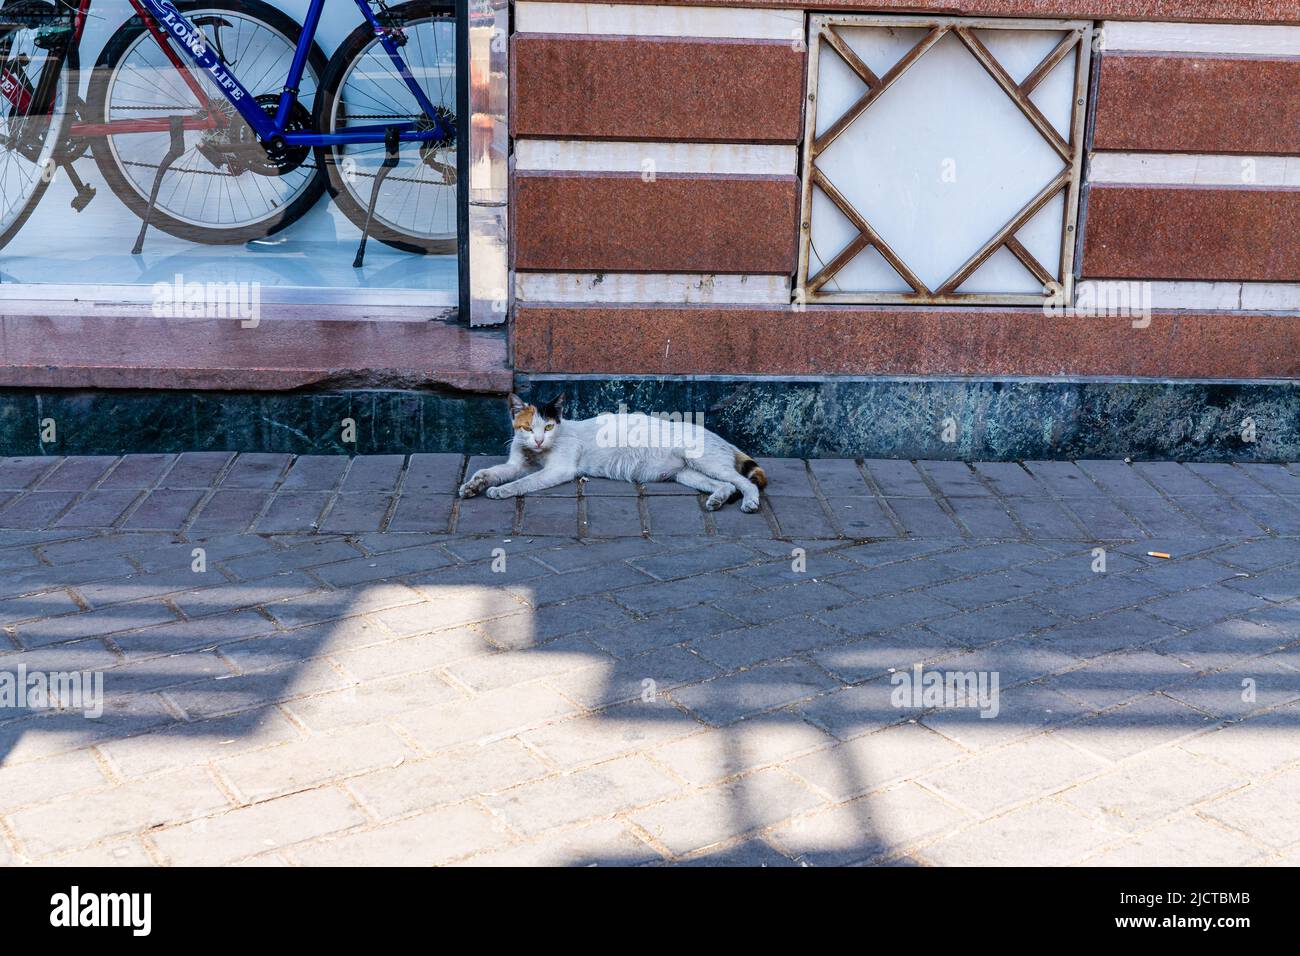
<point>944,163</point>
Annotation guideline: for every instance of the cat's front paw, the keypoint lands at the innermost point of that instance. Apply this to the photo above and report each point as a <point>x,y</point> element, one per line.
<point>499,493</point>
<point>477,482</point>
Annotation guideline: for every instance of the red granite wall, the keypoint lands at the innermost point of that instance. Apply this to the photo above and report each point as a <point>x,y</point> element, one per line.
<point>697,90</point>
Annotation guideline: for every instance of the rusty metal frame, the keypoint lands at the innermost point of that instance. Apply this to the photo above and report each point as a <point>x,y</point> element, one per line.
<point>822,32</point>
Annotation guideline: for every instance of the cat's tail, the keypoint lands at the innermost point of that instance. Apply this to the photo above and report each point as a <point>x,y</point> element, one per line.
<point>750,469</point>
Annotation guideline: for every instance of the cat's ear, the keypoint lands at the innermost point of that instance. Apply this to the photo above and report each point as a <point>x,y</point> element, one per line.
<point>556,406</point>
<point>517,405</point>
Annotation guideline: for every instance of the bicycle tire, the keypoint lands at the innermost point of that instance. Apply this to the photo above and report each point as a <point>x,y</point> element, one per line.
<point>54,138</point>
<point>332,159</point>
<point>124,186</point>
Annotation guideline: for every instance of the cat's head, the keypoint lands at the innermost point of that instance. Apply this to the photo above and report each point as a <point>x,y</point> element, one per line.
<point>536,425</point>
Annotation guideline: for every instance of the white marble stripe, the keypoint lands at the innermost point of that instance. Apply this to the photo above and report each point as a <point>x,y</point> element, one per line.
<point>1227,296</point>
<point>628,19</point>
<point>651,158</point>
<point>1228,38</point>
<point>623,287</point>
<point>1193,169</point>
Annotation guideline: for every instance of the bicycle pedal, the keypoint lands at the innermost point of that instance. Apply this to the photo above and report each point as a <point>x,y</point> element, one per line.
<point>83,198</point>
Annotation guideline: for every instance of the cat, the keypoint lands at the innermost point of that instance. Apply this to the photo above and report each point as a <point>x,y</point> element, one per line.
<point>548,450</point>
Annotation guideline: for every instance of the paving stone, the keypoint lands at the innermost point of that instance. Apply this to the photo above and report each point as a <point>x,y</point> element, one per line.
<point>1246,687</point>
<point>879,654</point>
<point>923,518</point>
<point>1223,645</point>
<point>874,760</point>
<point>412,654</point>
<point>257,828</point>
<point>852,711</point>
<point>256,470</point>
<point>437,474</point>
<point>1102,519</point>
<point>985,517</point>
<point>868,828</point>
<point>885,614</point>
<point>1023,771</point>
<point>1043,518</point>
<point>483,515</point>
<point>485,717</point>
<point>992,624</point>
<point>302,764</point>
<point>77,474</point>
<point>98,509</point>
<point>1110,632</point>
<point>128,808</point>
<point>1220,516</point>
<point>450,777</point>
<point>432,838</point>
<point>315,473</point>
<point>860,518</point>
<point>896,478</point>
<point>374,474</point>
<point>554,588</point>
<point>1186,841</point>
<point>1278,478</point>
<point>839,478</point>
<point>671,595</point>
<point>547,515</point>
<point>299,609</point>
<point>163,509</point>
<point>611,682</point>
<point>1280,585</point>
<point>293,512</point>
<point>787,476</point>
<point>1047,833</point>
<point>534,627</point>
<point>45,780</point>
<point>611,515</point>
<point>671,627</point>
<point>217,696</point>
<point>746,646</point>
<point>137,471</point>
<point>1151,721</point>
<point>75,627</point>
<point>700,819</point>
<point>1202,605</point>
<point>1010,479</point>
<point>1260,745</point>
<point>191,744</point>
<point>673,565</point>
<point>607,843</point>
<point>36,509</point>
<point>1142,791</point>
<point>743,694</point>
<point>14,610</point>
<point>1118,678</point>
<point>1265,811</point>
<point>603,790</point>
<point>196,469</point>
<point>187,635</point>
<point>1022,711</point>
<point>800,517</point>
<point>1064,479</point>
<point>611,732</point>
<point>355,513</point>
<point>18,474</point>
<point>893,578</point>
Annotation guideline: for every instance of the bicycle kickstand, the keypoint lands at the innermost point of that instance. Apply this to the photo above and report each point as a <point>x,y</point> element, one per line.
<point>392,156</point>
<point>174,153</point>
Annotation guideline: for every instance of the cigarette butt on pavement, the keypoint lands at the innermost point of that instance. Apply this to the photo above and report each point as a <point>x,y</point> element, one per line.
<point>1156,554</point>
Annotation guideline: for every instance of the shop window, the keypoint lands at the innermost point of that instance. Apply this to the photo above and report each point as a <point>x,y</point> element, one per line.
<point>941,159</point>
<point>150,122</point>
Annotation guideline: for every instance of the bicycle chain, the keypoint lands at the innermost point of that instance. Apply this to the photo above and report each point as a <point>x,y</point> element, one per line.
<point>210,172</point>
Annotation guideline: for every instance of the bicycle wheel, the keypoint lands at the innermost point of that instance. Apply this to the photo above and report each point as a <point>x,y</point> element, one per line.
<point>33,38</point>
<point>224,188</point>
<point>416,211</point>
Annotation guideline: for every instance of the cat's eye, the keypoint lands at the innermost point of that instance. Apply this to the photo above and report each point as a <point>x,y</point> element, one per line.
<point>549,427</point>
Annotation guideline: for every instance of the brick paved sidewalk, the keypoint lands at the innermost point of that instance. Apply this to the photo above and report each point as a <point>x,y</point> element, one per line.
<point>320,661</point>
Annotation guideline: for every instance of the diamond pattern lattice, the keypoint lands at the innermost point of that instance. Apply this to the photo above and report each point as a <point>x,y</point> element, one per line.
<point>941,159</point>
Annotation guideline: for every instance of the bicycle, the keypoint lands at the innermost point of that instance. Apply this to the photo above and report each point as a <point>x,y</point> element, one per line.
<point>237,157</point>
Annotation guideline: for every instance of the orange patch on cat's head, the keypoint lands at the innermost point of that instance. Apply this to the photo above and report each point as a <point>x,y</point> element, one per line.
<point>524,419</point>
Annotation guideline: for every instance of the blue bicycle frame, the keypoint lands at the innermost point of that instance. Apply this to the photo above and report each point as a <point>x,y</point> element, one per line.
<point>193,44</point>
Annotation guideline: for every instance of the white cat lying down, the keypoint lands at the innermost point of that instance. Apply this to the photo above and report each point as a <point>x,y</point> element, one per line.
<point>599,447</point>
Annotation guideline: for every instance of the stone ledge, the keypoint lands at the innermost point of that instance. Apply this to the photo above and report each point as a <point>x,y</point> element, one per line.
<point>65,351</point>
